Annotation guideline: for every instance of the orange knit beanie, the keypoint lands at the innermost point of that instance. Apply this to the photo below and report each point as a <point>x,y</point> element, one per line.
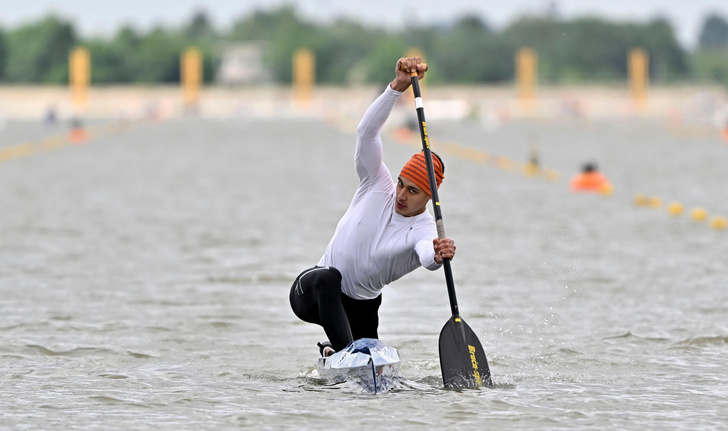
<point>415,170</point>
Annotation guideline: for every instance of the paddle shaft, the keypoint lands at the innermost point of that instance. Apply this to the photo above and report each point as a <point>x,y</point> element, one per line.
<point>433,188</point>
<point>462,358</point>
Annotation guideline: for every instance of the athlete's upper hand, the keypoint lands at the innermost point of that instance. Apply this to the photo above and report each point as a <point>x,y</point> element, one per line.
<point>444,248</point>
<point>405,65</point>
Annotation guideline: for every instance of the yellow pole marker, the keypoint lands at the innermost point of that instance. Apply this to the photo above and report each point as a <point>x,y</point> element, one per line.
<point>304,73</point>
<point>639,76</point>
<point>191,77</point>
<point>79,75</point>
<point>654,202</point>
<point>526,76</point>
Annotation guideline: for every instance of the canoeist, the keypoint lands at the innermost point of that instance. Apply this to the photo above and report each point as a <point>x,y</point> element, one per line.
<point>590,180</point>
<point>386,233</point>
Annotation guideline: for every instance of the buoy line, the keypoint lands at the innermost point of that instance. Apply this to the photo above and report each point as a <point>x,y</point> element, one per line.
<point>63,140</point>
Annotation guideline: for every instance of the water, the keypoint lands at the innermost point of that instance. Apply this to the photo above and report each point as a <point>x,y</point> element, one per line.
<point>145,276</point>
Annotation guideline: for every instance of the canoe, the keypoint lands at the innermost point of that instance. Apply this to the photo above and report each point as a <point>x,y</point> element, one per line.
<point>369,362</point>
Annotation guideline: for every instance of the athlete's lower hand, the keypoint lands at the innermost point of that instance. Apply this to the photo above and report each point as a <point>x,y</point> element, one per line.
<point>444,248</point>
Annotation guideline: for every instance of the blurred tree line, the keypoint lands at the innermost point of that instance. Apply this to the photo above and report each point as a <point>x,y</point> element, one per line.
<point>463,52</point>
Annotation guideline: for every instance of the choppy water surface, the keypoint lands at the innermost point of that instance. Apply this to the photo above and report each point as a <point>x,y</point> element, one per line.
<point>145,276</point>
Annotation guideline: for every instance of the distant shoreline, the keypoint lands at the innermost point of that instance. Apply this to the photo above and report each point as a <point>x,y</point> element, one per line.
<point>25,103</point>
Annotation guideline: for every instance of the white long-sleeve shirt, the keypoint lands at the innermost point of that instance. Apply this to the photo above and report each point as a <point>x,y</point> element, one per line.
<point>373,245</point>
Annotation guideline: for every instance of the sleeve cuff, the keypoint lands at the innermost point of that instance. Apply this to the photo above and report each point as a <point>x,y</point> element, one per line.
<point>392,91</point>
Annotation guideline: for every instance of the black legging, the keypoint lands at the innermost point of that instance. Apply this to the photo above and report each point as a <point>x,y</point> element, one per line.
<point>316,298</point>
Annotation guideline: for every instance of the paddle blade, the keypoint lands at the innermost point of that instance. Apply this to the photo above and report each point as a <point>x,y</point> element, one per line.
<point>462,358</point>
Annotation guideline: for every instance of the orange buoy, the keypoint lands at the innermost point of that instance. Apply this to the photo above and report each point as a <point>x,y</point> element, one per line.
<point>590,182</point>
<point>78,136</point>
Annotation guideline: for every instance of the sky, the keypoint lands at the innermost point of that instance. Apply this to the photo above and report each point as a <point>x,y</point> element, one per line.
<point>104,17</point>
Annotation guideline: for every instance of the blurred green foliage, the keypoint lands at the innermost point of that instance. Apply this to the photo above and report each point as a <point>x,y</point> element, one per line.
<point>38,52</point>
<point>714,34</point>
<point>710,60</point>
<point>462,52</point>
<point>3,54</point>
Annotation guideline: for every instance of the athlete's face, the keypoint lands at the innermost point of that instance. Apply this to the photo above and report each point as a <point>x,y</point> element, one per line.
<point>411,200</point>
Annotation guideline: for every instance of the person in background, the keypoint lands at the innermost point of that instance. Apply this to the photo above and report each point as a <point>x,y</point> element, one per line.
<point>590,180</point>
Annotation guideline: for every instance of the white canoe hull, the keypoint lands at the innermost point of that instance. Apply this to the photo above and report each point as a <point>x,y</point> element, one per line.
<point>367,361</point>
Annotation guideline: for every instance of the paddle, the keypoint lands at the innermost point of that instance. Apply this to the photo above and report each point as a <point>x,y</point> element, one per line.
<point>462,358</point>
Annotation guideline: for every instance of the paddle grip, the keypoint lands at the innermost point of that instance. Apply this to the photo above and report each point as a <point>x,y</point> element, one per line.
<point>413,73</point>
